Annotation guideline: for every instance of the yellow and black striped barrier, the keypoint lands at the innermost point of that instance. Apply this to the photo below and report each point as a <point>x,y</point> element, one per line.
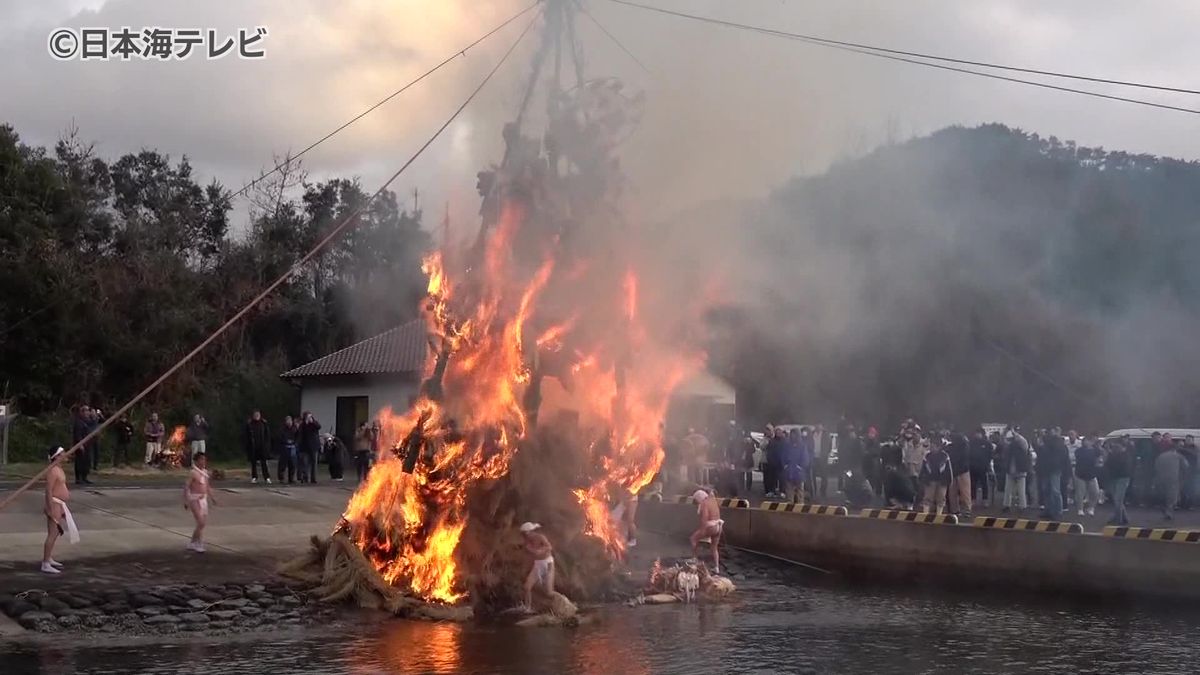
<point>910,516</point>
<point>812,509</point>
<point>1029,525</point>
<point>726,503</point>
<point>1182,536</point>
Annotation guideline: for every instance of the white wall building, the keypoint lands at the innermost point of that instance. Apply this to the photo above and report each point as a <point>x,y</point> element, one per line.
<point>353,385</point>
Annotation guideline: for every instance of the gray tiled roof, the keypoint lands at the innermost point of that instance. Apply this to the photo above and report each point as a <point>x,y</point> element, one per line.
<point>402,349</point>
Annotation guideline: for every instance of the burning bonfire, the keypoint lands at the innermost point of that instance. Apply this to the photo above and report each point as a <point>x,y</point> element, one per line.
<point>173,450</point>
<point>543,396</point>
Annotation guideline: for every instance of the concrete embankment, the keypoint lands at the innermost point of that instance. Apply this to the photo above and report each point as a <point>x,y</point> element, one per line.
<point>969,553</point>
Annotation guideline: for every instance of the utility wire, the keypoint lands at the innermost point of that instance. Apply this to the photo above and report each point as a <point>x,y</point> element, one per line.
<point>891,55</point>
<point>461,52</point>
<point>295,269</point>
<point>612,37</point>
<point>947,59</point>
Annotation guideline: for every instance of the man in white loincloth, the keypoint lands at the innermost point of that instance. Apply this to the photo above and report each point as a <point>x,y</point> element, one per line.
<point>197,494</point>
<point>710,527</point>
<point>58,516</point>
<point>542,572</point>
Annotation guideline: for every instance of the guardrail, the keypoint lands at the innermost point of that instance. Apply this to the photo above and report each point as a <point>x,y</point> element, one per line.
<point>1153,534</point>
<point>810,509</point>
<point>1051,526</point>
<point>910,516</point>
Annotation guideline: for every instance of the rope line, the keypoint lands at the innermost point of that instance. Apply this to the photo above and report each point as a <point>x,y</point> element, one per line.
<point>295,268</point>
<point>891,56</point>
<point>461,52</point>
<point>965,62</point>
<point>292,158</point>
<point>614,39</point>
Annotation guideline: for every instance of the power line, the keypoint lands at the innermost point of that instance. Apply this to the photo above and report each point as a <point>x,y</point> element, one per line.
<point>891,55</point>
<point>614,39</point>
<point>401,90</point>
<point>948,59</point>
<point>295,268</point>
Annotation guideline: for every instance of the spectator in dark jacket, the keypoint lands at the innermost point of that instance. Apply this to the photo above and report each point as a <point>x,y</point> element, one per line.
<point>1118,465</point>
<point>258,446</point>
<point>937,474</point>
<point>289,442</point>
<point>196,438</point>
<point>873,460</point>
<point>1054,461</point>
<point>124,432</point>
<point>775,454</point>
<point>959,452</point>
<point>1018,462</point>
<point>1087,474</point>
<point>850,454</point>
<point>310,447</point>
<point>334,450</point>
<point>979,459</point>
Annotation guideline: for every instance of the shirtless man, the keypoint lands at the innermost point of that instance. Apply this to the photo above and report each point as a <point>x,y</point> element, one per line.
<point>629,517</point>
<point>710,527</point>
<point>542,572</point>
<point>197,494</point>
<point>58,516</point>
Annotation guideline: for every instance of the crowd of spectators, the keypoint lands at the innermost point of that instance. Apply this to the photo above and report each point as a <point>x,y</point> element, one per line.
<point>944,470</point>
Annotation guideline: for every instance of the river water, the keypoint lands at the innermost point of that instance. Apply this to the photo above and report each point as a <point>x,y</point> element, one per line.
<point>786,623</point>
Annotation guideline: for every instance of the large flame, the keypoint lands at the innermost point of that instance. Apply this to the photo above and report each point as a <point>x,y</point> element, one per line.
<point>411,523</point>
<point>522,327</point>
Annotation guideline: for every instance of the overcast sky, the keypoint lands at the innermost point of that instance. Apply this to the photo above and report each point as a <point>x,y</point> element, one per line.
<point>730,114</point>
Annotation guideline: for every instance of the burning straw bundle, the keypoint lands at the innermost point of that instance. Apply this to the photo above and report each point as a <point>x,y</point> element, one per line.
<point>541,315</point>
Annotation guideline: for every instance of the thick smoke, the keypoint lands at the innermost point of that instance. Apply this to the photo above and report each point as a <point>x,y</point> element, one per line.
<point>973,275</point>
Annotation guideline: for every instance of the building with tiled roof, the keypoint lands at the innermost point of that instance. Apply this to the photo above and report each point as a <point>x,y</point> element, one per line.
<point>355,384</point>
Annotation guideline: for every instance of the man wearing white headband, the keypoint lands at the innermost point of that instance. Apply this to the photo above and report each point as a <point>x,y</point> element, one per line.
<point>58,516</point>
<point>542,572</point>
<point>710,526</point>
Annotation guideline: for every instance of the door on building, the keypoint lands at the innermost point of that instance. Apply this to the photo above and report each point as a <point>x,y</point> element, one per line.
<point>352,411</point>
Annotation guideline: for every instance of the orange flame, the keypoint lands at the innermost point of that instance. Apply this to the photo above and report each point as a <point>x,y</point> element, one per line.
<point>410,524</point>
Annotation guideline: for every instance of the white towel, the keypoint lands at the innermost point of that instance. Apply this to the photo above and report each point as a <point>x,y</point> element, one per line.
<point>72,530</point>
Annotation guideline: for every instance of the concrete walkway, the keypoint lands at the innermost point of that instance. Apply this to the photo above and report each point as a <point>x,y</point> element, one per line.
<point>257,520</point>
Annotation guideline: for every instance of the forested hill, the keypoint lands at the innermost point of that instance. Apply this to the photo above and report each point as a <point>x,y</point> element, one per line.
<point>974,274</point>
<point>112,268</point>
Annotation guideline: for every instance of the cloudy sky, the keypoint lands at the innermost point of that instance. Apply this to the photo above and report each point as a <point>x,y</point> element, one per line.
<point>730,113</point>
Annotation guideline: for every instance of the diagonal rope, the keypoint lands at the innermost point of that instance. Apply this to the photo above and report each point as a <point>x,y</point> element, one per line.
<point>461,52</point>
